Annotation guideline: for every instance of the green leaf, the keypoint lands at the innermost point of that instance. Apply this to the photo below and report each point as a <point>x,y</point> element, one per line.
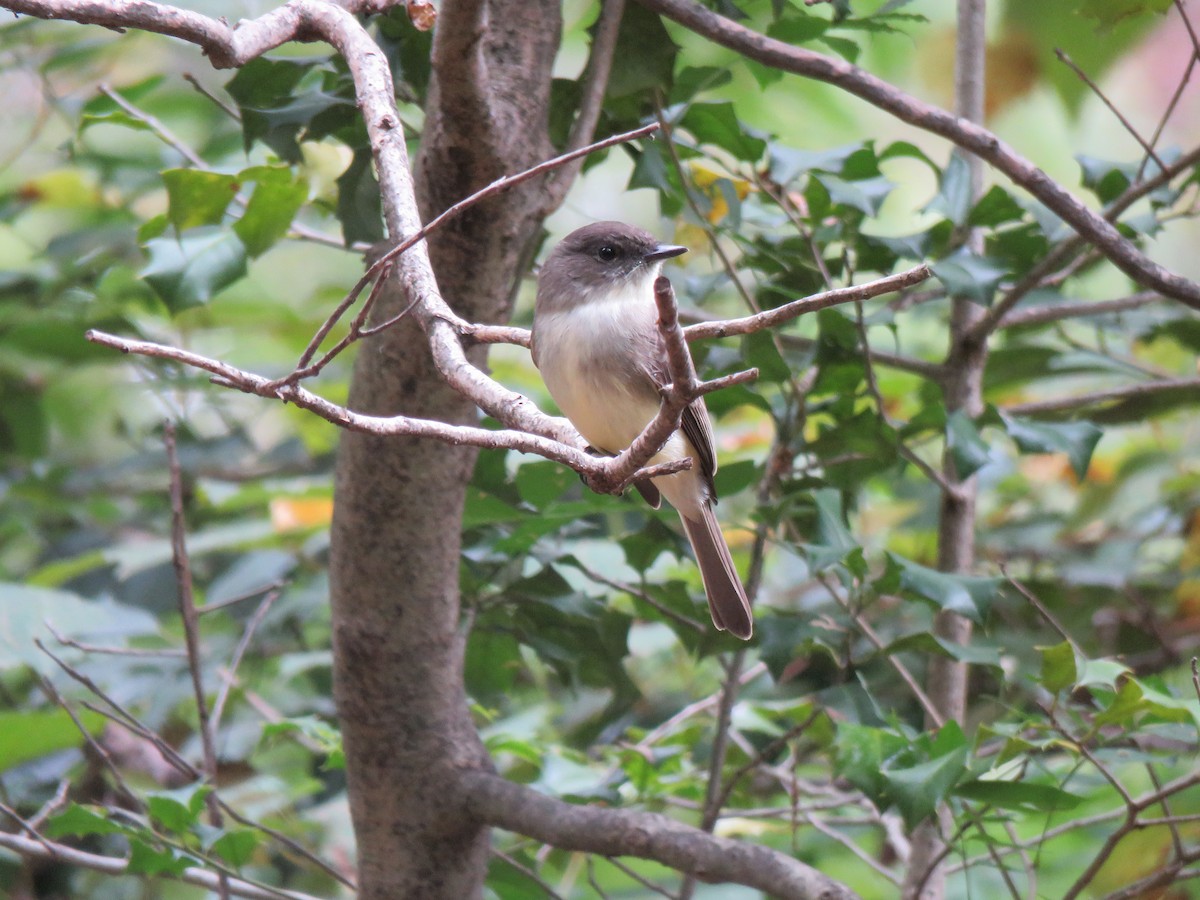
<point>1107,673</point>
<point>26,735</point>
<point>1059,669</point>
<point>541,483</point>
<point>359,207</point>
<point>25,610</point>
<point>277,198</point>
<point>178,810</point>
<point>1108,180</point>
<point>967,595</point>
<point>970,276</point>
<point>931,644</point>
<point>918,790</point>
<point>263,81</point>
<point>717,124</point>
<point>190,270</point>
<point>1018,795</point>
<point>1076,439</point>
<point>733,478</point>
<point>81,821</point>
<point>866,194</point>
<point>833,540</point>
<point>195,197</point>
<point>860,752</point>
<point>953,199</point>
<point>645,55</point>
<point>967,448</point>
<point>326,736</point>
<point>235,846</point>
<point>994,208</point>
<point>146,859</point>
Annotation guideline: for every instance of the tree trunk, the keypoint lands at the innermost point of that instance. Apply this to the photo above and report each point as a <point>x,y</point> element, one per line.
<point>398,510</point>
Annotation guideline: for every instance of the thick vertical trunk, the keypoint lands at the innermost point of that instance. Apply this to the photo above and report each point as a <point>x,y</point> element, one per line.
<point>398,507</point>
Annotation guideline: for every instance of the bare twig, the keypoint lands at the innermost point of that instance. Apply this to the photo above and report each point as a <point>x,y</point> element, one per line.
<point>528,873</point>
<point>67,641</point>
<point>1041,315</point>
<point>1072,246</point>
<point>686,621</point>
<point>556,448</point>
<point>1082,401</point>
<point>1041,608</point>
<point>34,848</point>
<point>216,101</point>
<point>595,83</point>
<point>379,269</point>
<point>788,311</point>
<point>966,134</point>
<point>714,795</point>
<point>1095,88</point>
<point>191,631</point>
<point>243,644</point>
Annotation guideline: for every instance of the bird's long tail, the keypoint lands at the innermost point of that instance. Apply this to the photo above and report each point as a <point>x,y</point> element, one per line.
<point>727,601</point>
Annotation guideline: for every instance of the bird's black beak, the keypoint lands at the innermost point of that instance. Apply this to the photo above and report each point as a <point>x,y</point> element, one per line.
<point>665,251</point>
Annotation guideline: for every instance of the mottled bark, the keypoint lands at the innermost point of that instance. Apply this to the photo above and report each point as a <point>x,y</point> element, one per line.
<point>395,556</point>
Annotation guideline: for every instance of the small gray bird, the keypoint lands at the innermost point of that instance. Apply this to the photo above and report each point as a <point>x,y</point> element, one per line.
<point>596,343</point>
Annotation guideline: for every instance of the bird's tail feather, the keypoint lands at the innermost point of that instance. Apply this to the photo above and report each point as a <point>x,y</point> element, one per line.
<point>727,601</point>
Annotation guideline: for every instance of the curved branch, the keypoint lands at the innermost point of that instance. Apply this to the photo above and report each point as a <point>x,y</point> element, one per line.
<point>41,848</point>
<point>965,134</point>
<point>1042,315</point>
<point>595,83</point>
<point>565,448</point>
<point>1080,401</point>
<point>780,314</point>
<point>619,832</point>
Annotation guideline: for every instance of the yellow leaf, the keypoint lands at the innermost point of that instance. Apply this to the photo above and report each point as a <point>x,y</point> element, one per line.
<point>290,513</point>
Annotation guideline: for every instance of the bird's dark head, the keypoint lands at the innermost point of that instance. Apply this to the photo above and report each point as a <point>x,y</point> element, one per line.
<point>601,258</point>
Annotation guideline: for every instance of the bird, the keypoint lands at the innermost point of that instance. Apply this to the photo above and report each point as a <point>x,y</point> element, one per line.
<point>596,343</point>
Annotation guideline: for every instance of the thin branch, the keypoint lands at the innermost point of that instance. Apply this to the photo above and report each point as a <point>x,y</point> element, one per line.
<point>243,644</point>
<point>931,711</point>
<point>1041,315</point>
<point>1070,247</point>
<point>595,84</point>
<point>696,708</point>
<point>216,101</point>
<point>944,484</point>
<point>686,621</point>
<point>158,653</point>
<point>1082,401</point>
<point>1037,604</point>
<point>645,882</point>
<point>1095,88</point>
<point>378,270</point>
<point>528,873</point>
<point>41,848</point>
<point>559,450</point>
<point>191,632</point>
<point>156,125</point>
<point>969,136</point>
<point>620,832</point>
<point>714,795</point>
<point>788,311</point>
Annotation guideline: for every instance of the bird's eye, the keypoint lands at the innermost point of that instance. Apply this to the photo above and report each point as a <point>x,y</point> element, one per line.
<point>607,253</point>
